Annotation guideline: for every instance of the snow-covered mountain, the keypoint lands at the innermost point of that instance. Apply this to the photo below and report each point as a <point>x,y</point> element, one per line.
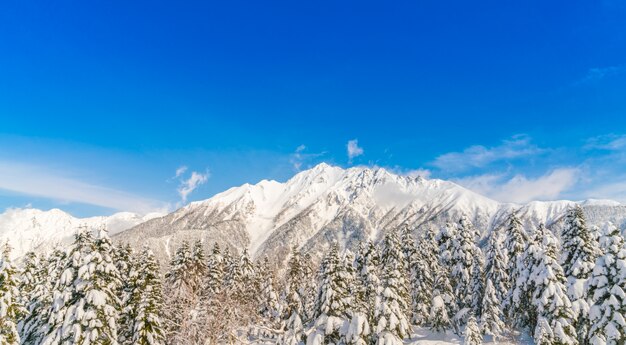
<point>32,229</point>
<point>327,203</point>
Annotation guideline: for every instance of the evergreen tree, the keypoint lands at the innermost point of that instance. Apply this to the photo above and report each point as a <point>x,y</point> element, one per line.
<point>409,249</point>
<point>357,330</point>
<point>472,335</point>
<point>198,266</point>
<point>31,275</point>
<point>425,268</point>
<point>333,300</point>
<point>367,266</point>
<point>579,253</point>
<point>521,294</point>
<point>391,322</point>
<point>147,300</point>
<point>269,307</point>
<point>443,306</point>
<point>445,238</point>
<point>550,297</point>
<point>496,267</point>
<point>215,272</point>
<point>464,252</point>
<point>181,297</point>
<point>515,244</point>
<point>35,326</point>
<point>543,333</point>
<point>478,284</point>
<point>607,290</point>
<point>11,309</point>
<point>245,284</point>
<point>85,307</point>
<point>294,306</point>
<point>491,319</point>
<point>127,267</point>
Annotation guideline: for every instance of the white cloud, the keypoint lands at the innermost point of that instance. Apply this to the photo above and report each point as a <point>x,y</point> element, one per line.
<point>610,142</point>
<point>45,182</point>
<point>189,185</point>
<point>598,73</point>
<point>479,156</point>
<point>354,150</point>
<point>180,171</point>
<point>521,189</point>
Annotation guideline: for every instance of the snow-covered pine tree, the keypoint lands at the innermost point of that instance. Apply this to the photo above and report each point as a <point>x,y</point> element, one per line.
<point>478,283</point>
<point>198,266</point>
<point>245,286</point>
<point>549,294</point>
<point>409,249</point>
<point>464,252</point>
<point>367,266</point>
<point>215,273</point>
<point>521,292</point>
<point>35,326</point>
<point>543,333</point>
<point>444,241</point>
<point>472,335</point>
<point>180,297</point>
<point>357,330</point>
<point>11,309</point>
<point>127,267</point>
<point>147,300</point>
<point>607,290</point>
<point>443,306</point>
<point>515,244</point>
<point>579,253</point>
<point>85,307</point>
<point>333,301</point>
<point>496,266</point>
<point>269,306</point>
<point>491,318</point>
<point>31,275</point>
<point>425,264</point>
<point>391,323</point>
<point>293,310</point>
<point>308,290</point>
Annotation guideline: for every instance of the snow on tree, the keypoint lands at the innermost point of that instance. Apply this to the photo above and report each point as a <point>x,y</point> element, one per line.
<point>464,252</point>
<point>244,282</point>
<point>367,266</point>
<point>444,239</point>
<point>31,275</point>
<point>549,294</point>
<point>491,318</point>
<point>515,245</point>
<point>391,325</point>
<point>85,307</point>
<point>181,297</point>
<point>11,308</point>
<point>443,306</point>
<point>409,249</point>
<point>215,272</point>
<point>333,301</point>
<point>472,335</point>
<point>147,301</point>
<point>35,325</point>
<point>579,252</point>
<point>607,290</point>
<point>543,333</point>
<point>269,306</point>
<point>308,290</point>
<point>198,266</point>
<point>294,306</point>
<point>357,330</point>
<point>478,283</point>
<point>496,267</point>
<point>426,263</point>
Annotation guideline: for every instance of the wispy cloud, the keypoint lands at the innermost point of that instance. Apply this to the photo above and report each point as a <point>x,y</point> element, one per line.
<point>521,189</point>
<point>188,185</point>
<point>44,182</point>
<point>599,73</point>
<point>180,171</point>
<point>479,156</point>
<point>609,142</point>
<point>300,159</point>
<point>354,150</point>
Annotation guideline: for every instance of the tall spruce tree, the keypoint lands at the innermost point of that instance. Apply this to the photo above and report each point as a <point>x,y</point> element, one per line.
<point>472,335</point>
<point>549,296</point>
<point>607,291</point>
<point>147,301</point>
<point>464,254</point>
<point>215,273</point>
<point>367,266</point>
<point>496,266</point>
<point>11,308</point>
<point>424,275</point>
<point>515,244</point>
<point>491,318</point>
<point>579,253</point>
<point>333,301</point>
<point>390,314</point>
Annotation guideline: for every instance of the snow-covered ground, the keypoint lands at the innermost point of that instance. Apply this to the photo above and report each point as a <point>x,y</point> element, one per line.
<point>423,336</point>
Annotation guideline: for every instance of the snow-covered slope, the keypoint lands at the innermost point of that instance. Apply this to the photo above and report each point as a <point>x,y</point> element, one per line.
<point>32,229</point>
<point>326,204</point>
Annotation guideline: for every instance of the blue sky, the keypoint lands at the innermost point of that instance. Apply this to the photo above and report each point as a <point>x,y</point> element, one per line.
<point>102,102</point>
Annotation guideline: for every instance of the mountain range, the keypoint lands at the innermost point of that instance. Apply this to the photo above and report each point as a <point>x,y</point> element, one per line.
<point>311,210</point>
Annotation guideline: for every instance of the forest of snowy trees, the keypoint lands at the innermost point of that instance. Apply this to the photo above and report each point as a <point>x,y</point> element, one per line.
<point>566,288</point>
